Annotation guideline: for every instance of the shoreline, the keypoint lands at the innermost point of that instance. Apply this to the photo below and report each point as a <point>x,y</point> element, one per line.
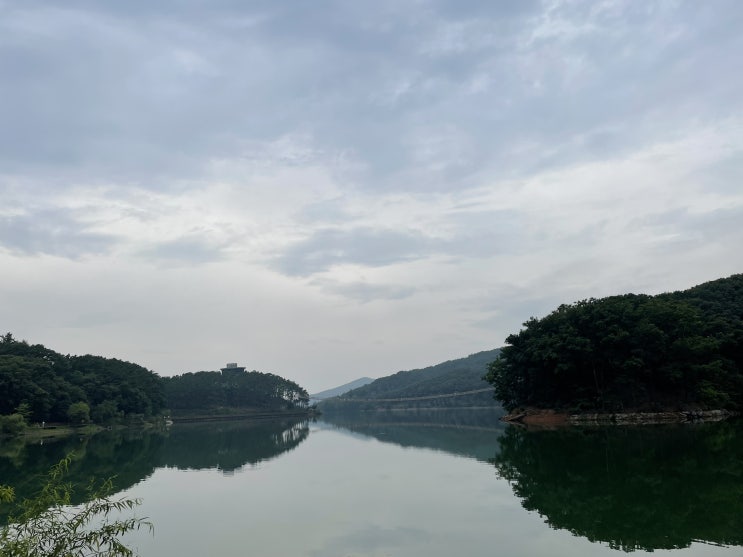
<point>35,433</point>
<point>554,418</point>
<point>264,415</point>
<point>60,430</point>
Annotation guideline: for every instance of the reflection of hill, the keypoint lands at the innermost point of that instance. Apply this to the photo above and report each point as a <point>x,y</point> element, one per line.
<point>468,432</point>
<point>127,456</point>
<point>230,445</point>
<point>633,488</point>
<point>131,456</point>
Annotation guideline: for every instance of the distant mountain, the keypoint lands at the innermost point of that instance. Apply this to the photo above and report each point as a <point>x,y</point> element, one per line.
<point>342,389</point>
<point>429,384</point>
<point>470,432</point>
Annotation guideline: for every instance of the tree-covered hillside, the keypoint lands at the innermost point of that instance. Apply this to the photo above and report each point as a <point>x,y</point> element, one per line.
<point>454,376</point>
<point>210,392</point>
<point>341,389</point>
<point>40,385</point>
<point>670,351</point>
<point>47,386</point>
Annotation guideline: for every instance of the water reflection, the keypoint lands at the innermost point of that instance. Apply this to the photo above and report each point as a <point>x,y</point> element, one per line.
<point>131,456</point>
<point>633,488</point>
<point>127,456</point>
<point>228,446</point>
<point>469,432</point>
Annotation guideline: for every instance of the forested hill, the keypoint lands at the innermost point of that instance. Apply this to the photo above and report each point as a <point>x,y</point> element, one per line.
<point>40,385</point>
<point>454,376</point>
<point>46,385</point>
<point>212,392</point>
<point>680,350</point>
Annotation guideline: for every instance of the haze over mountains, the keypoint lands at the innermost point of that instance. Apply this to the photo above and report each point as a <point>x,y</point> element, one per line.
<point>341,389</point>
<point>443,384</point>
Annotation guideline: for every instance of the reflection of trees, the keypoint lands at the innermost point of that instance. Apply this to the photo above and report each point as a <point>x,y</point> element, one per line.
<point>634,488</point>
<point>131,456</point>
<point>468,432</point>
<point>127,456</point>
<point>230,445</point>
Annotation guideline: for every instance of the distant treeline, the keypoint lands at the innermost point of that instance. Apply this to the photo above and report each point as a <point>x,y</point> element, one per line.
<point>451,377</point>
<point>670,351</point>
<point>40,385</point>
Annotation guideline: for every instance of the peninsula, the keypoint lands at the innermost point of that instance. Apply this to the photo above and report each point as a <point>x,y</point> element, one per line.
<point>678,354</point>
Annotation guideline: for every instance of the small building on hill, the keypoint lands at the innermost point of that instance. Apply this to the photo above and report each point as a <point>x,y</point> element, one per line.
<point>232,369</point>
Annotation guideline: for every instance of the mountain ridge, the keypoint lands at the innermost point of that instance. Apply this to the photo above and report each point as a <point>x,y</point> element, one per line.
<point>431,384</point>
<point>342,389</point>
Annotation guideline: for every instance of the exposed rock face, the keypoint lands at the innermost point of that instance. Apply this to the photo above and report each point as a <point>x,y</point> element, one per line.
<point>544,417</point>
<point>651,417</point>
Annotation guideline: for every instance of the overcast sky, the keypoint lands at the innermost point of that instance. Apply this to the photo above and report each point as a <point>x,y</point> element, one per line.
<point>333,189</point>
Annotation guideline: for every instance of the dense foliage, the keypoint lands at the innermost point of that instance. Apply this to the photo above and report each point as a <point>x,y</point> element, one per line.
<point>38,384</point>
<point>682,349</point>
<point>454,376</point>
<point>52,387</point>
<point>212,391</point>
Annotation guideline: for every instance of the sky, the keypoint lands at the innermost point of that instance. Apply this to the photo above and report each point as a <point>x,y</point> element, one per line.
<point>328,190</point>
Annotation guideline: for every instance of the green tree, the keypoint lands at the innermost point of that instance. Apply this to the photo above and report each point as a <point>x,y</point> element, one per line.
<point>12,425</point>
<point>50,382</point>
<point>212,391</point>
<point>683,349</point>
<point>24,409</point>
<point>46,526</point>
<point>79,413</point>
<point>107,412</point>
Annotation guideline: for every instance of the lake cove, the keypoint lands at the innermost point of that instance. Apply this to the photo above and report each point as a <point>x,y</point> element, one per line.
<point>415,484</point>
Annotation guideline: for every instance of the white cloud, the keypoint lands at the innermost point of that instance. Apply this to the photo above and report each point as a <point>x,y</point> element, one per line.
<point>328,191</point>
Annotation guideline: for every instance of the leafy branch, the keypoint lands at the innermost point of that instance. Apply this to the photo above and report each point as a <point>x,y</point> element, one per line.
<point>47,526</point>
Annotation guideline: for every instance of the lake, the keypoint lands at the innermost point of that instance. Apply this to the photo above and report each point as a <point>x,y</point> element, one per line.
<point>421,483</point>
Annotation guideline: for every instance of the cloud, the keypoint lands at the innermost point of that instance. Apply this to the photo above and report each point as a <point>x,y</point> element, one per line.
<point>58,232</point>
<point>370,540</point>
<point>187,250</point>
<point>364,291</point>
<point>363,246</point>
<point>684,229</point>
<point>421,96</point>
<point>450,167</point>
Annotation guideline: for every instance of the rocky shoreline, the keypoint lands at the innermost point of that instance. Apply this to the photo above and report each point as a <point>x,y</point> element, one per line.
<point>652,417</point>
<point>543,417</point>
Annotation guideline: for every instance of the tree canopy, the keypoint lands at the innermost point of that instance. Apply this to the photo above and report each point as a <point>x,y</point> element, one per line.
<point>213,391</point>
<point>49,384</point>
<point>38,384</point>
<point>674,350</point>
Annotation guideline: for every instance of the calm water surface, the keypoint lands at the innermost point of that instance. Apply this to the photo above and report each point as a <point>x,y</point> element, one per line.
<point>416,484</point>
